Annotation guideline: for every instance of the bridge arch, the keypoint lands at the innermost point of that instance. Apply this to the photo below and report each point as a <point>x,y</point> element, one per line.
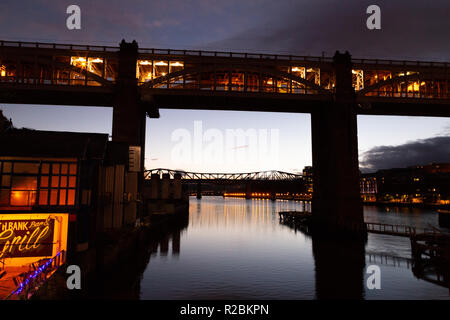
<point>416,80</point>
<point>55,65</point>
<point>229,68</point>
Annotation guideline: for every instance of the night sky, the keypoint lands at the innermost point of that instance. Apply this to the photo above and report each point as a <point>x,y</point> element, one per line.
<point>412,30</point>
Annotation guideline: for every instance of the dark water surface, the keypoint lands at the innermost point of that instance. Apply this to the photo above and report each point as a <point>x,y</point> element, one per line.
<point>237,249</point>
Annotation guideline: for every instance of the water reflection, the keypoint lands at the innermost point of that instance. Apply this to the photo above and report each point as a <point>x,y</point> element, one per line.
<point>123,280</point>
<point>237,249</point>
<point>339,266</point>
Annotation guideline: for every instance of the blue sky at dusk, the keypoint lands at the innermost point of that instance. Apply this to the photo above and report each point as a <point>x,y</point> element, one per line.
<point>412,30</point>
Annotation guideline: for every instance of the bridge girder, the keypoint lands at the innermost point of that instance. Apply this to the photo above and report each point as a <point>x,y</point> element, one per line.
<point>205,177</point>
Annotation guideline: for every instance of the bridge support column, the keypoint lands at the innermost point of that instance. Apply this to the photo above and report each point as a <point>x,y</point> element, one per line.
<point>129,117</point>
<point>336,194</point>
<point>273,196</point>
<point>248,190</point>
<point>199,190</point>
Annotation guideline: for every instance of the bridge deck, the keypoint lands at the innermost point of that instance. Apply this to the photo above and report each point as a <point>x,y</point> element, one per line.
<point>86,75</point>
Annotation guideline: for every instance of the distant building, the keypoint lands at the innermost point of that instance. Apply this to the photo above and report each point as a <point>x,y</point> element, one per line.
<point>416,184</point>
<point>427,184</point>
<point>308,178</point>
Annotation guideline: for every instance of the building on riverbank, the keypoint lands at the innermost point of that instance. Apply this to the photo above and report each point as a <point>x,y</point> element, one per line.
<point>60,192</point>
<point>421,184</point>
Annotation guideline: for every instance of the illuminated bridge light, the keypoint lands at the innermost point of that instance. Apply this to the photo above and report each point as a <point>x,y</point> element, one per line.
<point>275,74</point>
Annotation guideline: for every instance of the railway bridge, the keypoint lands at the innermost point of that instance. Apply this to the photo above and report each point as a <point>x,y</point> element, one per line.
<point>265,184</point>
<point>137,82</point>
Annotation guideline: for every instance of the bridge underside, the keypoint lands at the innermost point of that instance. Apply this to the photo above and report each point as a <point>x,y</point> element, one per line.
<point>154,99</point>
<point>56,95</point>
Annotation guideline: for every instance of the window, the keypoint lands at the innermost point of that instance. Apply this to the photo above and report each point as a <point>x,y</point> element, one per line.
<point>43,183</point>
<point>57,185</point>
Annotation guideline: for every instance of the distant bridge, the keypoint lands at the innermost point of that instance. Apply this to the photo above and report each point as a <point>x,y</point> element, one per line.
<point>210,177</point>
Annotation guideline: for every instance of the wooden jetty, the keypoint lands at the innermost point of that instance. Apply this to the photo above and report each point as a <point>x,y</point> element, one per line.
<point>431,245</point>
<point>396,229</point>
<point>430,248</point>
<point>302,218</point>
<point>431,255</point>
<point>295,217</point>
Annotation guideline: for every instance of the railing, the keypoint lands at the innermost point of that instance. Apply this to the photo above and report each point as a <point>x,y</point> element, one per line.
<point>389,260</point>
<point>225,54</point>
<point>411,63</point>
<point>230,54</point>
<point>394,229</point>
<point>390,229</point>
<point>420,95</point>
<point>60,46</point>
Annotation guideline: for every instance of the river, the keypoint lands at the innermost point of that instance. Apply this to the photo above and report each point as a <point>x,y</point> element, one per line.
<point>237,249</point>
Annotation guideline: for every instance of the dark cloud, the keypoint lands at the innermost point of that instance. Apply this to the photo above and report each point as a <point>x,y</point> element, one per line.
<point>156,23</point>
<point>410,29</point>
<point>436,149</point>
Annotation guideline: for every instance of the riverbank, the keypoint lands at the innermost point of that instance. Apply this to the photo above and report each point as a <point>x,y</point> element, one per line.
<point>118,260</point>
<point>407,205</point>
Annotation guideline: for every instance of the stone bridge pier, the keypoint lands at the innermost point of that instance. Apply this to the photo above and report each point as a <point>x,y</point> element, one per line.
<point>336,194</point>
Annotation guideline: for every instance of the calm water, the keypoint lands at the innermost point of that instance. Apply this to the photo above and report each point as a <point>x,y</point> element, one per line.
<point>237,249</point>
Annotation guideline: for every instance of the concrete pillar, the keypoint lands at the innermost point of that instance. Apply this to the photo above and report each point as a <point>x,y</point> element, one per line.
<point>130,210</point>
<point>155,183</point>
<point>177,187</point>
<point>336,198</point>
<point>128,114</point>
<point>248,190</point>
<point>199,190</point>
<point>165,184</point>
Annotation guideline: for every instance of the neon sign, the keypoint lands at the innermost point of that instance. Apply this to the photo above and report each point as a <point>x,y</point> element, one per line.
<point>26,238</point>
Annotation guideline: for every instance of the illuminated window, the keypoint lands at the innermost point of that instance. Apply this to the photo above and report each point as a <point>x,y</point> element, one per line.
<point>57,185</point>
<point>25,184</point>
<point>23,191</point>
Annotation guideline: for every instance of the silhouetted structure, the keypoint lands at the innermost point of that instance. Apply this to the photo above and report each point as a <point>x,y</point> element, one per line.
<point>5,124</point>
<point>82,174</point>
<point>138,81</point>
<point>421,184</point>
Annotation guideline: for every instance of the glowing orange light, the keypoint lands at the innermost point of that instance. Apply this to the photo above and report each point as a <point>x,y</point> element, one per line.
<point>12,230</point>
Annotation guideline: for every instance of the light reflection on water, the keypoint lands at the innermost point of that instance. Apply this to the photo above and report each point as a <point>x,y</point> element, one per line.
<point>237,249</point>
